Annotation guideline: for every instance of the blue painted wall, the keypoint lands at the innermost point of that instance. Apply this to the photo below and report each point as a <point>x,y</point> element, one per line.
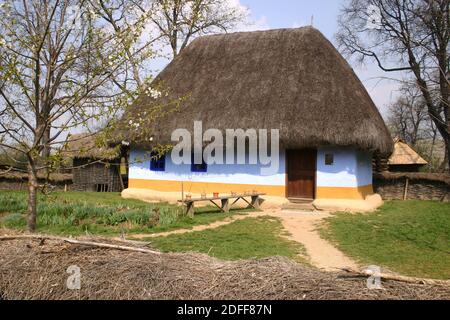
<point>351,168</point>
<point>232,174</point>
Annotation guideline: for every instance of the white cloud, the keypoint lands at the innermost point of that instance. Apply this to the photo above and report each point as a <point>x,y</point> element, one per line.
<point>299,24</point>
<point>254,25</point>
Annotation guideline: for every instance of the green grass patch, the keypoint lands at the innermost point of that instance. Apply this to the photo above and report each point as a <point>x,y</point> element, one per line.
<point>244,239</point>
<point>409,237</point>
<point>75,213</point>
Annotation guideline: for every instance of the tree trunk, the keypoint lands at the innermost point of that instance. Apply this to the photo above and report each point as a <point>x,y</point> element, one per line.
<point>447,141</point>
<point>45,141</point>
<point>443,167</point>
<point>32,191</point>
<point>447,159</point>
<point>433,145</point>
<point>46,156</point>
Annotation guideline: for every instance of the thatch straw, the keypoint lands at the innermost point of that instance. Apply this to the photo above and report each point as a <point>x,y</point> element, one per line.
<point>293,80</point>
<point>413,176</point>
<point>405,155</point>
<point>23,176</point>
<point>90,146</point>
<point>30,269</point>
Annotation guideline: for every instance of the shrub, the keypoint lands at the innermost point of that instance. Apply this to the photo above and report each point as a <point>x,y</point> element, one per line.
<point>12,202</point>
<point>168,216</point>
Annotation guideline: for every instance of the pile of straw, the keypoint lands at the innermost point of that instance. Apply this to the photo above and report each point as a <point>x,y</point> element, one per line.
<point>36,269</point>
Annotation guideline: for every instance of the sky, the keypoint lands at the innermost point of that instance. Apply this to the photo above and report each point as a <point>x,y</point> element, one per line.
<point>323,14</point>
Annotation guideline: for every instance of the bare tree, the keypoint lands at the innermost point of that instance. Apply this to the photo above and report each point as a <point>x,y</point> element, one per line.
<point>179,21</point>
<point>409,36</point>
<point>408,117</point>
<point>60,70</point>
<point>128,21</point>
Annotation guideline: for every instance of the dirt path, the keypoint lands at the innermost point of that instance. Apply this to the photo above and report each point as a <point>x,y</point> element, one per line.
<point>213,225</point>
<point>302,228</point>
<point>322,254</point>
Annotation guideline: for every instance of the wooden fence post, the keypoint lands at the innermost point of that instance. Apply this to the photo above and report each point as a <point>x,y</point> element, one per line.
<point>405,194</point>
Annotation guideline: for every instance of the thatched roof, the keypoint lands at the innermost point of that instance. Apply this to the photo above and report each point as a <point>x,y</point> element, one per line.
<point>405,155</point>
<point>288,79</point>
<point>413,176</point>
<point>54,177</point>
<point>92,146</point>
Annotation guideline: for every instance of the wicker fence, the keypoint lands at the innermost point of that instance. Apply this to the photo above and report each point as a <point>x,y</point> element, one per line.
<point>412,186</point>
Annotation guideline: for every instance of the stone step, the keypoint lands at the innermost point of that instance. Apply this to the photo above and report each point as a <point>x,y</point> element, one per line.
<point>307,206</point>
<point>300,200</point>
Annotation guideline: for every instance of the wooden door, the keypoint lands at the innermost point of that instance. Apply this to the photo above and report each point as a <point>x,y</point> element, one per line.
<point>301,174</point>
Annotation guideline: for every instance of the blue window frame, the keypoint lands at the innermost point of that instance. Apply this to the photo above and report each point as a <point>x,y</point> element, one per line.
<point>157,163</point>
<point>202,168</point>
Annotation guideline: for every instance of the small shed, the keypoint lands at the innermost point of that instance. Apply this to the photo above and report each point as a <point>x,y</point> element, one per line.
<point>96,167</point>
<point>405,158</point>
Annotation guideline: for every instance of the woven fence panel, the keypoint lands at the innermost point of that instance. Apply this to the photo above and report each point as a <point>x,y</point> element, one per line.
<point>415,189</point>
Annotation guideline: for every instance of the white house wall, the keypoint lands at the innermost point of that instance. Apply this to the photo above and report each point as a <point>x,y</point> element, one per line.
<point>350,176</point>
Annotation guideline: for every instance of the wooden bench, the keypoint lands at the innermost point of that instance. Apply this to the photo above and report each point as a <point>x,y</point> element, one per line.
<point>225,206</point>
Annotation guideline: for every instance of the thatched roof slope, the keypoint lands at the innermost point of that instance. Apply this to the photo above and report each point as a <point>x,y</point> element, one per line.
<point>405,155</point>
<point>54,177</point>
<point>92,146</point>
<point>414,176</point>
<point>288,79</point>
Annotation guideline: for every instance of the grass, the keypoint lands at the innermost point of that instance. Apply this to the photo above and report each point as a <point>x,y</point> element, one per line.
<point>244,239</point>
<point>409,237</point>
<point>75,213</point>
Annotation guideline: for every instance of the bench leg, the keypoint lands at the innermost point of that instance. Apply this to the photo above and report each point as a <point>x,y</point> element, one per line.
<point>225,205</point>
<point>256,202</point>
<point>190,209</point>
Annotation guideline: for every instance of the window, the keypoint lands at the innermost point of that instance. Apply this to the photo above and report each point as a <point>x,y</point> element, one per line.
<point>158,162</point>
<point>203,167</point>
<point>329,159</point>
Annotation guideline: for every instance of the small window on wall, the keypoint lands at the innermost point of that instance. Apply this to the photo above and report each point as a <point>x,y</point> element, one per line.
<point>329,159</point>
<point>158,162</point>
<point>203,167</point>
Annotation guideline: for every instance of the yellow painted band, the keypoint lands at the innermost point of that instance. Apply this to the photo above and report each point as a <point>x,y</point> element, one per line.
<point>344,193</point>
<point>278,191</point>
<point>207,187</point>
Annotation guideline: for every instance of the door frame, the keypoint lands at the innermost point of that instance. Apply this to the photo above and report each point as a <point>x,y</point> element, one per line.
<point>287,151</point>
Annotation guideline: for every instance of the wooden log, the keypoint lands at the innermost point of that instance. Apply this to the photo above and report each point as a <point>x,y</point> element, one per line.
<point>385,276</point>
<point>190,209</point>
<point>256,202</point>
<point>225,205</point>
<point>79,242</point>
<point>405,193</point>
<point>122,184</point>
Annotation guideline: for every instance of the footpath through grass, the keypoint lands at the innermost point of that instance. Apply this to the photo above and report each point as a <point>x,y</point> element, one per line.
<point>75,213</point>
<point>409,237</point>
<point>244,239</point>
